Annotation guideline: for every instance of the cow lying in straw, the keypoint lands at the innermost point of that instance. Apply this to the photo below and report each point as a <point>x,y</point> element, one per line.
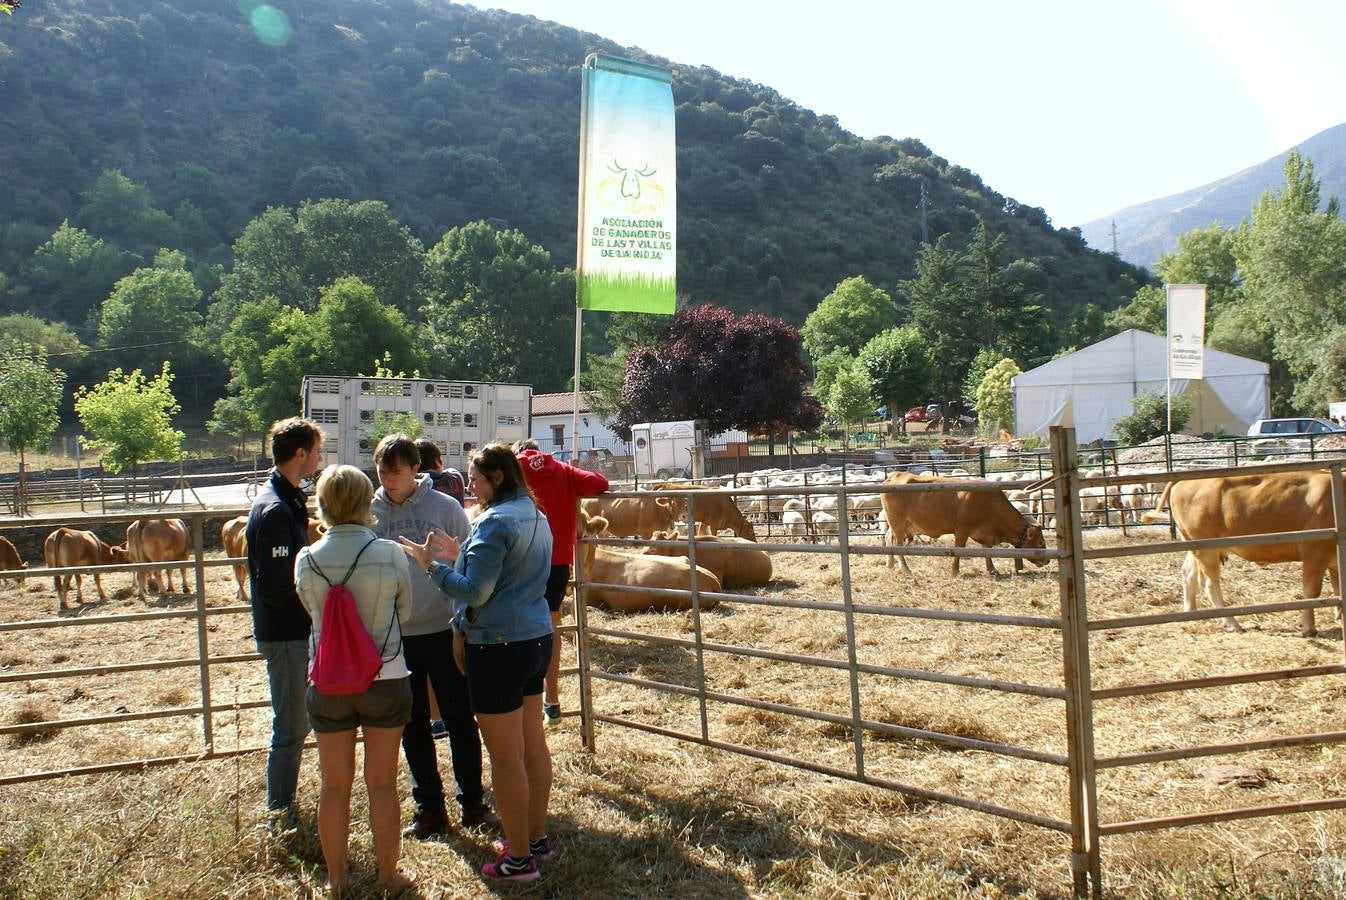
<point>607,566</point>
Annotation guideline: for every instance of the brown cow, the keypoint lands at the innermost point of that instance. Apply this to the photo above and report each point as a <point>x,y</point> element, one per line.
<point>634,516</point>
<point>66,547</point>
<point>233,535</point>
<point>158,540</point>
<point>735,565</point>
<point>9,558</point>
<point>600,564</point>
<point>715,511</point>
<point>986,517</point>
<point>1253,504</point>
<point>234,538</point>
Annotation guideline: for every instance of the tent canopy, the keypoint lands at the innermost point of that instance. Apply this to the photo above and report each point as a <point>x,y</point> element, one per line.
<point>1092,388</point>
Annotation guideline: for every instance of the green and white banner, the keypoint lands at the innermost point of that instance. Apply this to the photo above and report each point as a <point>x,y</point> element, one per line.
<point>627,259</point>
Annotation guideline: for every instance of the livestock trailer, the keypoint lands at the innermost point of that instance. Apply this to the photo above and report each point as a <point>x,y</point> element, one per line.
<point>670,449</point>
<point>459,416</point>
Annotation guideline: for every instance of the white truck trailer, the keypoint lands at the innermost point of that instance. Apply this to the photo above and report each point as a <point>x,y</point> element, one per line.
<point>459,416</point>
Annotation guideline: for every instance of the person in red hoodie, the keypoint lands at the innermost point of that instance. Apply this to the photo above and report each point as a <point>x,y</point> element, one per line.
<point>557,486</point>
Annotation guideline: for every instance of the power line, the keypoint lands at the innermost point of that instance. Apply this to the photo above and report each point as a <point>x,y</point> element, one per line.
<point>115,349</point>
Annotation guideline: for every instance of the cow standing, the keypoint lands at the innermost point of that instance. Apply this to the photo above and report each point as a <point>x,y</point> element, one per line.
<point>635,516</point>
<point>9,558</point>
<point>1253,504</point>
<point>986,517</point>
<point>235,540</point>
<point>66,547</point>
<point>715,511</point>
<point>158,540</point>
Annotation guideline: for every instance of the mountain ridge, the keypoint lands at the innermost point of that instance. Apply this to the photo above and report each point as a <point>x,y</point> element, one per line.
<point>1149,229</point>
<point>450,114</point>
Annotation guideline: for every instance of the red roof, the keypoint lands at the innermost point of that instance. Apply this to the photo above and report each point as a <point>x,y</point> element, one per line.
<point>559,404</point>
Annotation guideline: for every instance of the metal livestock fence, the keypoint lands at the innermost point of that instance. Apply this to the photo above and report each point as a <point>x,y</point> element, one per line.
<point>1085,824</point>
<point>206,705</point>
<point>1073,688</point>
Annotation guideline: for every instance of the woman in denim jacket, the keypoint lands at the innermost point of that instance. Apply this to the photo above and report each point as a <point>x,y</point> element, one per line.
<point>502,637</point>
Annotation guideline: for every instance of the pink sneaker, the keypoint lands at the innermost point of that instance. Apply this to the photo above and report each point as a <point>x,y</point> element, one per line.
<point>506,867</point>
<point>543,848</point>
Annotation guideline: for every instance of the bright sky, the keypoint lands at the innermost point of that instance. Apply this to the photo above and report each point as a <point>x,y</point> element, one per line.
<point>1078,106</point>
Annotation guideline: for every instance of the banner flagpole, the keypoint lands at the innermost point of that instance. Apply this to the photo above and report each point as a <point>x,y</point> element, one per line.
<point>626,236</point>
<point>1168,360</point>
<point>579,262</point>
<point>587,736</point>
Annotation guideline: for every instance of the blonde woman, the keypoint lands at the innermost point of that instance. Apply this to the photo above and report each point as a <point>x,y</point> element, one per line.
<point>375,571</point>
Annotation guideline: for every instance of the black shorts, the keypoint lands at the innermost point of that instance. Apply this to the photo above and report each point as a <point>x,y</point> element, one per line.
<point>387,704</point>
<point>557,582</point>
<point>499,676</point>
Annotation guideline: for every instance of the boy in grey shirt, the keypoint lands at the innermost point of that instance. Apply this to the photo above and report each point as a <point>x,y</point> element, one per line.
<point>407,505</point>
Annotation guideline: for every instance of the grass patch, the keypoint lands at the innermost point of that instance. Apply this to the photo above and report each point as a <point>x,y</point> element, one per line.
<point>31,713</point>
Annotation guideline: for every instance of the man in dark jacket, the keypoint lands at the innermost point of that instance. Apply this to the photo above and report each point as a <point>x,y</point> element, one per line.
<point>277,529</point>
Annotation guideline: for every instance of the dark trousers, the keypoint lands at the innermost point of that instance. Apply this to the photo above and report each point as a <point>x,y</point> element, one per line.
<point>432,655</point>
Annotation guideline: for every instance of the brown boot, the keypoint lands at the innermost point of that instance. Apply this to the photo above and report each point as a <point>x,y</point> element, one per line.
<point>426,823</point>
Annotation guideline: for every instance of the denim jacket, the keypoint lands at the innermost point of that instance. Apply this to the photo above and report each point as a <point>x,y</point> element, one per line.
<point>498,580</point>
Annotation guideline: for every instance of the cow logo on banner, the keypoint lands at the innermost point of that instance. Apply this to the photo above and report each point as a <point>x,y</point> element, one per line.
<point>628,198</point>
<point>1186,330</point>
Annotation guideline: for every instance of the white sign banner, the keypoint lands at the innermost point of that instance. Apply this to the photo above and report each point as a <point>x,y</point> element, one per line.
<point>1186,330</point>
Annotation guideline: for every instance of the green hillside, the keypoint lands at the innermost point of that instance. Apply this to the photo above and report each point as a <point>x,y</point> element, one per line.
<point>448,114</point>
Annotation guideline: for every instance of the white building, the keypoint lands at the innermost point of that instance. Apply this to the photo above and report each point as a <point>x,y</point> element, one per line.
<point>1092,388</point>
<point>553,425</point>
<point>553,418</point>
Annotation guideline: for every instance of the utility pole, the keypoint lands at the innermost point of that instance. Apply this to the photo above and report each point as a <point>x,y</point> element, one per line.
<point>1114,237</point>
<point>925,224</point>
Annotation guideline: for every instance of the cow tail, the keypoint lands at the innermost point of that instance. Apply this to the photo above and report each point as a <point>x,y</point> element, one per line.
<point>1157,514</point>
<point>55,560</point>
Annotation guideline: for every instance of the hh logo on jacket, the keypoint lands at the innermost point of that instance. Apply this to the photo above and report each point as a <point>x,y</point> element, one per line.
<point>279,551</point>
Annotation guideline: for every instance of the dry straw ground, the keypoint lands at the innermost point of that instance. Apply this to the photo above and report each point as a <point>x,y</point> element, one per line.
<point>650,816</point>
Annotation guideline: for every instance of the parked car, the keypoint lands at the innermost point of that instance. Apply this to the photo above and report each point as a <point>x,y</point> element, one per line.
<point>595,459</point>
<point>915,414</point>
<point>1293,426</point>
<point>1288,436</point>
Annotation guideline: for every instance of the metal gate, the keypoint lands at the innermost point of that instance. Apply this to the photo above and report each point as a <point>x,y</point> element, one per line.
<point>1074,690</point>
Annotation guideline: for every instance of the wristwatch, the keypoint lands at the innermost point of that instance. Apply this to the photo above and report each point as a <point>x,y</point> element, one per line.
<point>430,569</point>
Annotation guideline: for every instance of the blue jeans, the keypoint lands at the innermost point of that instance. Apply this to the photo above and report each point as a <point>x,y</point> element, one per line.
<point>287,673</point>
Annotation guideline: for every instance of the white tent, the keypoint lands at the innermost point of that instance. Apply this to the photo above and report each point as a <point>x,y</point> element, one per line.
<point>1092,388</point>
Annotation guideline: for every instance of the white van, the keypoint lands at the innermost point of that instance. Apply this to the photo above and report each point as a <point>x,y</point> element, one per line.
<point>1295,426</point>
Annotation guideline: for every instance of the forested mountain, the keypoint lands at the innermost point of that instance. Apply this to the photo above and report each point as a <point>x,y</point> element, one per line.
<point>1147,230</point>
<point>170,126</point>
